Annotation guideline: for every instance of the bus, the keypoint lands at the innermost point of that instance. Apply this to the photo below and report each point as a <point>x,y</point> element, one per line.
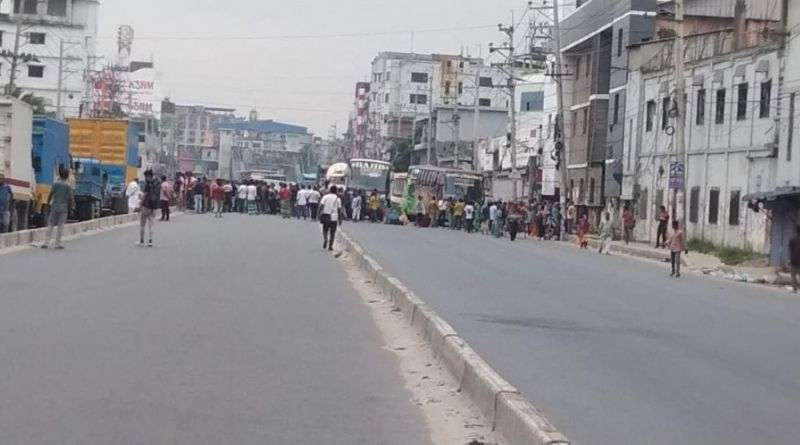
<point>397,189</point>
<point>338,174</point>
<point>435,183</point>
<point>369,175</point>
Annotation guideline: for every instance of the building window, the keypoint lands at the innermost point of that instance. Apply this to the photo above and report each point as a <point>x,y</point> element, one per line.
<point>616,108</point>
<point>580,190</point>
<point>57,8</point>
<point>1,38</point>
<point>766,94</point>
<point>741,102</point>
<point>549,125</point>
<point>665,103</point>
<point>659,198</point>
<point>388,76</point>
<point>719,116</point>
<point>619,42</point>
<point>447,88</point>
<point>591,190</point>
<point>460,88</point>
<point>571,190</point>
<point>36,71</point>
<point>700,113</point>
<point>643,202</point>
<point>36,38</point>
<point>485,82</point>
<point>585,120</point>
<point>577,67</point>
<point>574,123</point>
<point>713,207</point>
<point>28,6</point>
<point>588,64</point>
<point>485,102</point>
<point>651,114</point>
<point>386,98</point>
<point>694,204</point>
<point>733,217</point>
<point>419,77</point>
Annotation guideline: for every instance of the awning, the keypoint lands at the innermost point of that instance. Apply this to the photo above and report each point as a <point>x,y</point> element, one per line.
<point>774,195</point>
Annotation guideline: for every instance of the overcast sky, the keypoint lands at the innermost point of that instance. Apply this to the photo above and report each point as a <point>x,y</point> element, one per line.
<point>225,52</point>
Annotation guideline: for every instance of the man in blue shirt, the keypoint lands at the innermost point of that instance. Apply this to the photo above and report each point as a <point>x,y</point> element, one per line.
<point>6,200</point>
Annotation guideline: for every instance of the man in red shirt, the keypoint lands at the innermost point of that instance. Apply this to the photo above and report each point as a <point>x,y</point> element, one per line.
<point>217,197</point>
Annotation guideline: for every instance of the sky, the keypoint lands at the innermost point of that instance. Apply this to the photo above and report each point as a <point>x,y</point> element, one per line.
<point>289,59</point>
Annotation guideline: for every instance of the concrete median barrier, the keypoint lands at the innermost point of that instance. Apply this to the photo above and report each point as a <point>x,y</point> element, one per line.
<point>513,417</point>
<point>27,237</point>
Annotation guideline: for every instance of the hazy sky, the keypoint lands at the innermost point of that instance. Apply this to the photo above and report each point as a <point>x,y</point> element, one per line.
<point>236,52</point>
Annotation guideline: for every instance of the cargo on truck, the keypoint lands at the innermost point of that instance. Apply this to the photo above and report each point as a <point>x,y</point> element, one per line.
<point>16,165</point>
<point>50,155</point>
<point>114,143</point>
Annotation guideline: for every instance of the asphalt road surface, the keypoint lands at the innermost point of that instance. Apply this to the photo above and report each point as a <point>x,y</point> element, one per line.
<point>610,348</point>
<point>239,331</point>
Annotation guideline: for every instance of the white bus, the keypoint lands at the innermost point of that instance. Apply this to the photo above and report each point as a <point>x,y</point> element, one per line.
<point>369,175</point>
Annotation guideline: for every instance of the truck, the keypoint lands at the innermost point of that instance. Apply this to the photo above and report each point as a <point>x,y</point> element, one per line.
<point>50,155</point>
<point>114,144</point>
<point>90,189</point>
<point>16,164</point>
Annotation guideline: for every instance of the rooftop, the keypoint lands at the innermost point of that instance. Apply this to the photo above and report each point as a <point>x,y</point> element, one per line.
<point>265,126</point>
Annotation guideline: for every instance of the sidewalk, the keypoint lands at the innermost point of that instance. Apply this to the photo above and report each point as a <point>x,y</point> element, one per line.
<point>698,262</point>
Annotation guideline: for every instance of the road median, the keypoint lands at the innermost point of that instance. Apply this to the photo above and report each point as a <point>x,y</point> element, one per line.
<point>512,416</point>
<point>24,238</point>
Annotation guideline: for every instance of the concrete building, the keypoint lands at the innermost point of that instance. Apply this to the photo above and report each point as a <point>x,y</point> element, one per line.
<point>265,146</point>
<point>48,26</point>
<point>358,128</point>
<point>733,102</point>
<point>406,86</point>
<point>492,123</point>
<point>196,137</point>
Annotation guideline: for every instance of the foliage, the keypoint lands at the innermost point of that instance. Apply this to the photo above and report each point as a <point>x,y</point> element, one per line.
<point>701,246</point>
<point>730,256</point>
<point>401,151</point>
<point>36,102</point>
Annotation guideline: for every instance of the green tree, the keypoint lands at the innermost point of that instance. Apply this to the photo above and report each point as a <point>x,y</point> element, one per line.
<point>36,102</point>
<point>401,150</point>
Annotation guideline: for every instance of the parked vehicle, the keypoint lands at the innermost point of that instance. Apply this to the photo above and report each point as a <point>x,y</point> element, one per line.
<point>115,144</point>
<point>91,195</point>
<point>16,164</point>
<point>50,154</point>
<point>434,183</point>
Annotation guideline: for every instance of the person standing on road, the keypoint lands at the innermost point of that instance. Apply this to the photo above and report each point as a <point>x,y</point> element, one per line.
<point>179,190</point>
<point>492,217</point>
<point>147,209</point>
<point>166,194</point>
<point>469,216</point>
<point>329,209</point>
<point>794,257</point>
<point>217,198</point>
<point>199,191</point>
<point>313,202</point>
<point>132,192</point>
<point>252,197</point>
<point>373,206</point>
<point>572,213</point>
<point>676,244</point>
<point>356,205</point>
<point>6,200</point>
<point>628,223</point>
<point>458,214</point>
<point>302,202</point>
<point>241,197</point>
<point>583,231</point>
<point>60,202</point>
<point>606,234</point>
<point>513,221</point>
<point>663,222</point>
<point>285,197</point>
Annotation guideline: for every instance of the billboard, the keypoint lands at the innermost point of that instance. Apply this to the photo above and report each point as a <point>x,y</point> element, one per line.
<point>132,93</point>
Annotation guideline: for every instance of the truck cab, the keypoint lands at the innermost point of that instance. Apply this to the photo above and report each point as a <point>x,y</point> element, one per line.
<point>90,188</point>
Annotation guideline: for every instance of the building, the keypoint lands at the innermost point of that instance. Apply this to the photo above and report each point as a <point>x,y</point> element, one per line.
<point>358,128</point>
<point>53,32</point>
<point>275,148</point>
<point>733,98</point>
<point>447,120</point>
<point>196,137</point>
<point>405,86</point>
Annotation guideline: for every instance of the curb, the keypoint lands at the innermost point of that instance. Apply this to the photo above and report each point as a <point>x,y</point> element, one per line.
<point>629,250</point>
<point>513,417</point>
<point>27,237</point>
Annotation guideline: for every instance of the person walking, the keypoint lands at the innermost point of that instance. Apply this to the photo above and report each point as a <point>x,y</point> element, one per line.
<point>199,195</point>
<point>373,206</point>
<point>513,221</point>
<point>572,213</point>
<point>606,234</point>
<point>583,231</point>
<point>148,206</point>
<point>302,202</point>
<point>676,244</point>
<point>419,211</point>
<point>132,191</point>
<point>313,202</point>
<point>329,209</point>
<point>493,209</point>
<point>356,205</point>
<point>6,201</point>
<point>165,195</point>
<point>217,198</point>
<point>60,202</point>
<point>458,214</point>
<point>180,191</point>
<point>252,197</point>
<point>794,257</point>
<point>628,224</point>
<point>469,216</point>
<point>285,198</point>
<point>663,222</point>
<point>241,197</point>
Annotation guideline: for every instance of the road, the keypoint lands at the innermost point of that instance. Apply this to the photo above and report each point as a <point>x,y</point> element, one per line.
<point>234,331</point>
<point>610,348</point>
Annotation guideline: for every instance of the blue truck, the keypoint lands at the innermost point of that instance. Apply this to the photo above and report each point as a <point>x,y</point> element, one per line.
<point>50,154</point>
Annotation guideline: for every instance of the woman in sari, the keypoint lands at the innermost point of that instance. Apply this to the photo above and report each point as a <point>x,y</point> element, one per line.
<point>285,198</point>
<point>583,231</point>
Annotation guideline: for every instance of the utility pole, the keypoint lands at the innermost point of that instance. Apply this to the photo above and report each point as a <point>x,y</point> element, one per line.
<point>561,151</point>
<point>15,58</point>
<point>62,70</point>
<point>430,119</point>
<point>477,117</point>
<point>457,126</point>
<point>509,31</point>
<point>680,117</point>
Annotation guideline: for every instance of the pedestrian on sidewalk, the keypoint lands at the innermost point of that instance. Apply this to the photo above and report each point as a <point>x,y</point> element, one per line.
<point>217,198</point>
<point>661,232</point>
<point>60,202</point>
<point>166,194</point>
<point>329,209</point>
<point>794,257</point>
<point>583,231</point>
<point>628,224</point>
<point>148,206</point>
<point>469,216</point>
<point>676,244</point>
<point>606,234</point>
<point>572,213</point>
<point>6,201</point>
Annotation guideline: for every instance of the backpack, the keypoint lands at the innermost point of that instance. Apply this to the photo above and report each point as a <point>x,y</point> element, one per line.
<point>152,195</point>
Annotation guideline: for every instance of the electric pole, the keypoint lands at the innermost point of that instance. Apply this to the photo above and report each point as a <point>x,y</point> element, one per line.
<point>509,31</point>
<point>457,125</point>
<point>561,151</point>
<point>430,119</point>
<point>477,116</point>
<point>680,116</point>
<point>61,71</point>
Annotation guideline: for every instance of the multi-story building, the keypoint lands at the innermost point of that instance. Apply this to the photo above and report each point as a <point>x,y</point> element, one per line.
<point>406,86</point>
<point>50,29</point>
<point>197,137</point>
<point>358,129</point>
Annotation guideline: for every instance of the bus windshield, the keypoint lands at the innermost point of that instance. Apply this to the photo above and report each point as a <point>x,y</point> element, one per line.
<point>460,187</point>
<point>369,175</point>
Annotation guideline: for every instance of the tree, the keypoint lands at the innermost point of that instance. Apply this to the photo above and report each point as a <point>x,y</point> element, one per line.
<point>400,151</point>
<point>36,102</point>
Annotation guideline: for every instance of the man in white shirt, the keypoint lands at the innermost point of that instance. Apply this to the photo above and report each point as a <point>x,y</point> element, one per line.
<point>469,215</point>
<point>356,204</point>
<point>133,193</point>
<point>241,198</point>
<point>252,195</point>
<point>302,202</point>
<point>492,217</point>
<point>313,201</point>
<point>329,207</point>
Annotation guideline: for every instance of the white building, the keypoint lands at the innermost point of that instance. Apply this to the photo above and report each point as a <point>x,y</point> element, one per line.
<point>48,26</point>
<point>406,86</point>
<point>732,103</point>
